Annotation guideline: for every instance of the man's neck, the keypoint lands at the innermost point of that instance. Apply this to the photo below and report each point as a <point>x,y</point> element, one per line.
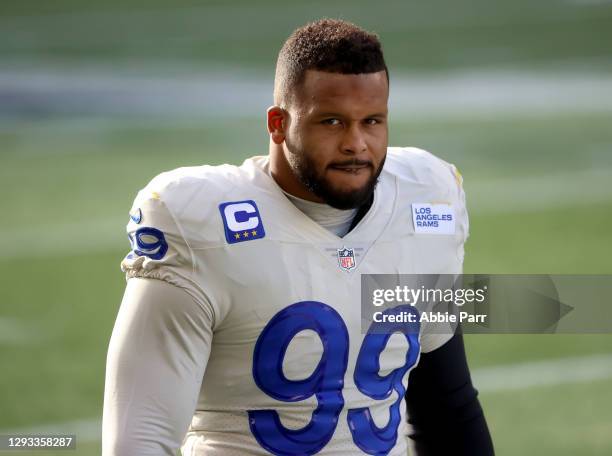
<point>338,221</point>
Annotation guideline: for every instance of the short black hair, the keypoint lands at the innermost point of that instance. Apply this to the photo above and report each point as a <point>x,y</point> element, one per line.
<point>330,45</point>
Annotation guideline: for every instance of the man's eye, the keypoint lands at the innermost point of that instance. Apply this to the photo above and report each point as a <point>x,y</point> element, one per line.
<point>331,121</point>
<point>372,121</point>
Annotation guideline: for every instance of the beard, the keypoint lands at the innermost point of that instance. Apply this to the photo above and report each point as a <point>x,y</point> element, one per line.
<point>305,170</point>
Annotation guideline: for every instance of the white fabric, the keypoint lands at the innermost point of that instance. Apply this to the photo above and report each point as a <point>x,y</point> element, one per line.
<point>156,359</point>
<point>183,350</point>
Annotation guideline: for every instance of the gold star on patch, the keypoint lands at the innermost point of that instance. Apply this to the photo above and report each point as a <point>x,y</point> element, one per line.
<point>246,234</point>
<point>237,235</point>
<point>254,233</point>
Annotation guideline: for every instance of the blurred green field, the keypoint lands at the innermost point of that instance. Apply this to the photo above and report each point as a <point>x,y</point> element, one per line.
<point>438,34</point>
<point>539,185</point>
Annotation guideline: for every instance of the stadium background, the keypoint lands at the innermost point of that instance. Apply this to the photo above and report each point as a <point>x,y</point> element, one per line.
<point>97,97</point>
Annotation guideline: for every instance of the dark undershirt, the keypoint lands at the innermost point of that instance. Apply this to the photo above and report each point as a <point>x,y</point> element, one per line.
<point>444,414</point>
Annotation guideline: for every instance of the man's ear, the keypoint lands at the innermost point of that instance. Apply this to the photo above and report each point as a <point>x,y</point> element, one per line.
<point>277,120</point>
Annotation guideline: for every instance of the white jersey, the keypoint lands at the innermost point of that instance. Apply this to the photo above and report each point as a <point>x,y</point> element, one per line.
<point>290,371</point>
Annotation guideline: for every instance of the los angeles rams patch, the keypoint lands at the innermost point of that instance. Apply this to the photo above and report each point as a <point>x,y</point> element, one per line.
<point>433,218</point>
<point>241,221</point>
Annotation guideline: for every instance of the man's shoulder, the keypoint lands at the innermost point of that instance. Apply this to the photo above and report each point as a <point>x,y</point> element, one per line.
<point>201,186</point>
<point>191,198</point>
<point>184,181</point>
<point>417,166</point>
<point>426,179</point>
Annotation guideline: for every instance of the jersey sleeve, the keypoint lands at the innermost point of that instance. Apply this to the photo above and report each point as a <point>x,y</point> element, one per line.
<point>159,249</point>
<point>156,360</point>
<point>162,337</point>
<point>434,335</point>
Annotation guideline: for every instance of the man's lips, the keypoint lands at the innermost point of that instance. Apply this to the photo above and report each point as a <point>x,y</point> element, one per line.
<point>351,167</point>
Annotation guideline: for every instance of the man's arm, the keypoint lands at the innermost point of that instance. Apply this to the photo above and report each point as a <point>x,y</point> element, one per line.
<point>156,360</point>
<point>443,408</point>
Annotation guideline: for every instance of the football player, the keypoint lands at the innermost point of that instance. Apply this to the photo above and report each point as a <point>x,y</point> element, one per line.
<point>240,331</point>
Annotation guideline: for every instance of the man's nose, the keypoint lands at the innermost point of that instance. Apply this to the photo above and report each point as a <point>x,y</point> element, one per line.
<point>353,141</point>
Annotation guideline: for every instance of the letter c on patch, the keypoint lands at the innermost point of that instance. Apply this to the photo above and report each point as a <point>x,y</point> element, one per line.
<point>241,221</point>
<point>239,216</point>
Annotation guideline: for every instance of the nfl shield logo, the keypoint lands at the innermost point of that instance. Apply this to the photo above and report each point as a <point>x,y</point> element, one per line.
<point>346,258</point>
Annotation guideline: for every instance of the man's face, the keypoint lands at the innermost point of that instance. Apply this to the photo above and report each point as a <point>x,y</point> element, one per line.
<point>336,136</point>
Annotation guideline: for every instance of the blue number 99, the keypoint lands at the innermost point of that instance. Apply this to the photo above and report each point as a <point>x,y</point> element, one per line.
<point>326,381</point>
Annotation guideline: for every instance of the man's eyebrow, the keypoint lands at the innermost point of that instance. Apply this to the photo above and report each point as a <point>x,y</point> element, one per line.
<point>336,114</point>
<point>329,114</point>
